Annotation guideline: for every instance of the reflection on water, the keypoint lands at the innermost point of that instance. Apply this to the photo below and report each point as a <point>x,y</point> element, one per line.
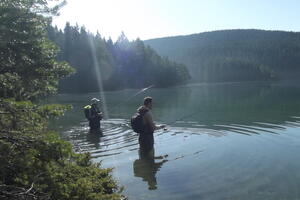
<point>224,141</point>
<point>94,138</point>
<point>147,166</point>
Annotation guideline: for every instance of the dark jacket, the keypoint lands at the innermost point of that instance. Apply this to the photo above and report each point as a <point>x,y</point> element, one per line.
<point>146,139</point>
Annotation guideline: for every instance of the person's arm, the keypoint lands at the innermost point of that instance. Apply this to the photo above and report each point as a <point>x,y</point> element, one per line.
<point>99,113</point>
<point>149,121</point>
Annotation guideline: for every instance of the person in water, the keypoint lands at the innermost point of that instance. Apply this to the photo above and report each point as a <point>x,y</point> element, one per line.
<point>94,116</point>
<point>146,138</point>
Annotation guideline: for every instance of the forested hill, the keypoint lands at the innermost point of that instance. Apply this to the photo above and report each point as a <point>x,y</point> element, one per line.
<point>234,55</point>
<point>104,64</point>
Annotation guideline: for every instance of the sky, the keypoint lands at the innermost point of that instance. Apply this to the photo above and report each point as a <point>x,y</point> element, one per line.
<point>147,19</point>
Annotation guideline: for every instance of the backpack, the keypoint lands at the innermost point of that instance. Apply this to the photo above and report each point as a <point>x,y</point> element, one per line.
<point>136,122</point>
<point>86,110</point>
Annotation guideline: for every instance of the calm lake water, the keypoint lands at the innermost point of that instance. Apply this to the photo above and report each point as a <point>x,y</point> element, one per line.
<point>224,141</point>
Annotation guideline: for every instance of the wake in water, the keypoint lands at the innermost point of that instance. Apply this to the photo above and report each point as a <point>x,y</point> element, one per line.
<point>118,138</point>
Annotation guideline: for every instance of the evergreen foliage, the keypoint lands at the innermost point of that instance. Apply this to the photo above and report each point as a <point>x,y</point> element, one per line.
<point>26,54</point>
<point>234,55</point>
<point>119,65</point>
<point>35,162</point>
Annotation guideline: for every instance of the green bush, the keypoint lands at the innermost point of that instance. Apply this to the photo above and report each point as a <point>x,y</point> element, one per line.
<point>35,162</point>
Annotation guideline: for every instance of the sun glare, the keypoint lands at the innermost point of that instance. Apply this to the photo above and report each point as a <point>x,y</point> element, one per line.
<point>137,19</point>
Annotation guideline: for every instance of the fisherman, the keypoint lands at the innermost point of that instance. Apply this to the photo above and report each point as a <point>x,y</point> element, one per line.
<point>146,139</point>
<point>94,115</point>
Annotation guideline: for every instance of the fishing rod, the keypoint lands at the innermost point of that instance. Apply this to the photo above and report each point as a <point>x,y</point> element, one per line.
<point>182,117</point>
<point>189,115</point>
<point>137,93</point>
<point>179,119</point>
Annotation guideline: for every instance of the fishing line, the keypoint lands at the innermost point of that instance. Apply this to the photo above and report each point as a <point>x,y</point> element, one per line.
<point>137,93</point>
<point>182,117</point>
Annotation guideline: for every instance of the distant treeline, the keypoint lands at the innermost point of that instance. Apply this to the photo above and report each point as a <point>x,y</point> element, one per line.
<point>234,55</point>
<point>118,65</point>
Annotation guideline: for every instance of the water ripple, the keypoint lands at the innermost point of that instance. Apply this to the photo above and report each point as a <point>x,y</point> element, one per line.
<point>118,137</point>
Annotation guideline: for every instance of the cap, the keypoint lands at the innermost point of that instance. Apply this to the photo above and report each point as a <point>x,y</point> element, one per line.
<point>95,100</point>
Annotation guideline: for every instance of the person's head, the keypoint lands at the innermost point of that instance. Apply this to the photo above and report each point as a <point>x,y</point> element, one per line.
<point>95,101</point>
<point>148,102</point>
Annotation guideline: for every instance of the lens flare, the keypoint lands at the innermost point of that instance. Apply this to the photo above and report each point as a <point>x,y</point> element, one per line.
<point>98,76</point>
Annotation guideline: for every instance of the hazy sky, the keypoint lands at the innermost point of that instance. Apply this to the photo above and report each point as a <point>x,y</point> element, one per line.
<point>148,19</point>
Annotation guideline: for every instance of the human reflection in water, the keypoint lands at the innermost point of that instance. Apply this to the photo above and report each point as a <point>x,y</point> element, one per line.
<point>94,138</point>
<point>146,167</point>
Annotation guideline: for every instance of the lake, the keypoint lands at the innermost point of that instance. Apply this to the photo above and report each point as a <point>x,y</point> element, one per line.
<point>224,141</point>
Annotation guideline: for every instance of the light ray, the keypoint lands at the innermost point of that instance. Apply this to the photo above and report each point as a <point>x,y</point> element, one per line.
<point>99,77</point>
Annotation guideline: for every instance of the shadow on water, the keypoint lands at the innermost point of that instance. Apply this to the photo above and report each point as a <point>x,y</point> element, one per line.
<point>147,166</point>
<point>94,138</point>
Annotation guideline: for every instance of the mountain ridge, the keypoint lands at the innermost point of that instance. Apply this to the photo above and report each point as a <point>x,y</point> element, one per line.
<point>233,53</point>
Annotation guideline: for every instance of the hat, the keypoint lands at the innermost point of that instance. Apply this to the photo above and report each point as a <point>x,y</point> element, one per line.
<point>95,100</point>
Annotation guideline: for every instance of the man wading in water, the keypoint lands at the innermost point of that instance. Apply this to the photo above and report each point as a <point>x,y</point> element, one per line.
<point>94,115</point>
<point>146,167</point>
<point>146,139</point>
